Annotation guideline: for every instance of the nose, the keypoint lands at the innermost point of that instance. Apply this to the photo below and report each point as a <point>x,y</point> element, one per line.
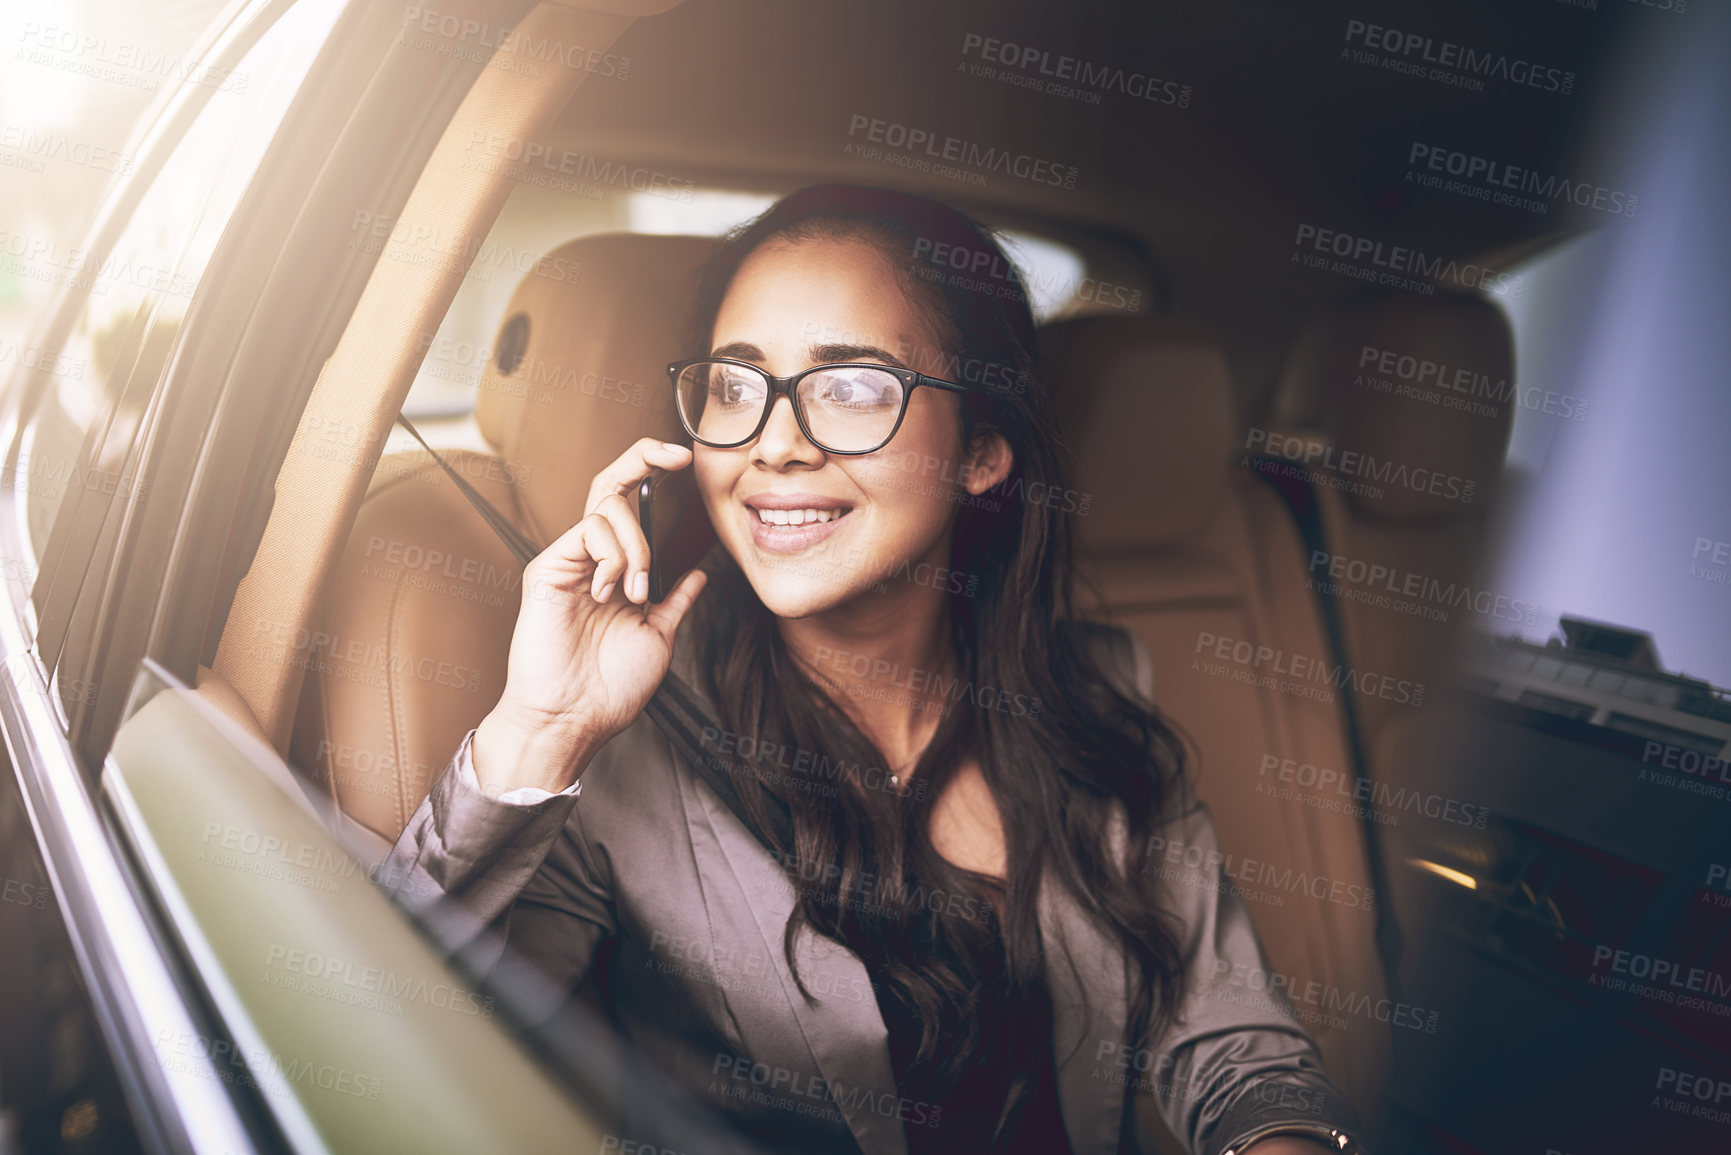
<point>782,443</point>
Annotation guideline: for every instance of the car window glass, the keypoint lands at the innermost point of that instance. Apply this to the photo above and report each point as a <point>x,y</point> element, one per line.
<point>136,295</point>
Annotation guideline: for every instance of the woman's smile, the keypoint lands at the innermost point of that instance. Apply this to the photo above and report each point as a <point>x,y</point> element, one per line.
<point>792,522</point>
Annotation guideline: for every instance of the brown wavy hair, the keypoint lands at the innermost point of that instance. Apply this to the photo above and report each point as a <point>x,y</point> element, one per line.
<point>1057,771</point>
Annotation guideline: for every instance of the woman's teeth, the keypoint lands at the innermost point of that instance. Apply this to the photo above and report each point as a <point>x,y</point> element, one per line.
<point>797,516</point>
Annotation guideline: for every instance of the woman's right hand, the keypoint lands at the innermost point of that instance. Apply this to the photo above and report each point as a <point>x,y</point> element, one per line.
<point>588,650</point>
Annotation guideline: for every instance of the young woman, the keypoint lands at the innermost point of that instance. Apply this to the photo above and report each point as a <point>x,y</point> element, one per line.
<point>948,941</point>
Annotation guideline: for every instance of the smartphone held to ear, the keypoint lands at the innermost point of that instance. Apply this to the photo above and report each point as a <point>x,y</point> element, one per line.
<point>675,525</point>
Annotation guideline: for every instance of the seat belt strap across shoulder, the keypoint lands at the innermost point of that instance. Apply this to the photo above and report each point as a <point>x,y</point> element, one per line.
<point>1299,497</point>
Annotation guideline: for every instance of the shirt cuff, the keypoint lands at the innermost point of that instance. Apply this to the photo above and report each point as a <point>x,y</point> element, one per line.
<point>518,796</point>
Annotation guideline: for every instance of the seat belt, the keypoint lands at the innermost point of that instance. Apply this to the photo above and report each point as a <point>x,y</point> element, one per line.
<point>675,707</point>
<point>1299,497</point>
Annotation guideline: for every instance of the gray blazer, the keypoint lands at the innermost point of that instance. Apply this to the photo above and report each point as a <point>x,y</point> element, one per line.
<point>646,863</point>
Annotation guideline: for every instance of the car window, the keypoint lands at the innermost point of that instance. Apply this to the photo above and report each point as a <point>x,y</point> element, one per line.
<point>330,1012</point>
<point>71,456</point>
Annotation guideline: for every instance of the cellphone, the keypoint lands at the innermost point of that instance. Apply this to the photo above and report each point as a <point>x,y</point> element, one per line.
<point>675,525</point>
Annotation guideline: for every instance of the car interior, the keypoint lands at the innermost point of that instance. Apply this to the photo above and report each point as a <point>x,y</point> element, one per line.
<point>1190,350</point>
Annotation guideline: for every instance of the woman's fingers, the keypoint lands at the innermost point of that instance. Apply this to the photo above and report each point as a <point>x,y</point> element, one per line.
<point>622,519</point>
<point>629,469</point>
<point>602,544</point>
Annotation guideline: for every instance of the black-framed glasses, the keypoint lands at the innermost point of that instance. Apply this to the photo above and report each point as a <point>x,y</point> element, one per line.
<point>847,408</point>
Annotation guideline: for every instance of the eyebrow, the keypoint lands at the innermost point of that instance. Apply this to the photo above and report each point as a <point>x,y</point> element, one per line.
<point>819,354</point>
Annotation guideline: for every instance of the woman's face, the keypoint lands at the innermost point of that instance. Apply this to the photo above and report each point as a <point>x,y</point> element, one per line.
<point>880,515</point>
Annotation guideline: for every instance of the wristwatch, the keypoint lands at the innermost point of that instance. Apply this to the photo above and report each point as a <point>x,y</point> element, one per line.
<point>1336,1139</point>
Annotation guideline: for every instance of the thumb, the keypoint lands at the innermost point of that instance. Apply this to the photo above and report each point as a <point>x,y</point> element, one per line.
<point>665,617</point>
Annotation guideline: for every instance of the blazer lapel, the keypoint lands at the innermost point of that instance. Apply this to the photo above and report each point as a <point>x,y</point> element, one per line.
<point>844,1037</point>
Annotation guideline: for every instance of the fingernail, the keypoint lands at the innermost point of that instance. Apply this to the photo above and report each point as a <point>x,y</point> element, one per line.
<point>605,592</point>
<point>640,586</point>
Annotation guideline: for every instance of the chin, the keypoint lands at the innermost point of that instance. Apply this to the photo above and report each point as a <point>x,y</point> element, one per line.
<point>796,595</point>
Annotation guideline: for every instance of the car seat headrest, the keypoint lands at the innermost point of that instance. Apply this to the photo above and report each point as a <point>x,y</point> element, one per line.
<point>578,367</point>
<point>1146,407</point>
<point>1420,390</point>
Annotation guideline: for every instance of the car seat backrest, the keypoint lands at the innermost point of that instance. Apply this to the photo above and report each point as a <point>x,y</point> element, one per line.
<point>1193,553</point>
<point>1422,391</point>
<point>416,622</point>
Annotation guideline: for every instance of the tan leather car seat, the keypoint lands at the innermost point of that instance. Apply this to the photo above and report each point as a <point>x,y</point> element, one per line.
<point>417,619</point>
<point>1423,383</point>
<point>1194,554</point>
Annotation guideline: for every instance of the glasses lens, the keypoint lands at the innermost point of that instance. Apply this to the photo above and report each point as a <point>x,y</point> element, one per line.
<point>852,409</point>
<point>720,403</point>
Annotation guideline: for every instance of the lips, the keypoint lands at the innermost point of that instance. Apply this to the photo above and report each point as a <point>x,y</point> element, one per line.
<point>791,522</point>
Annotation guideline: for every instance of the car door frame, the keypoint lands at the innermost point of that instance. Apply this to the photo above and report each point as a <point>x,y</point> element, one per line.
<point>151,573</point>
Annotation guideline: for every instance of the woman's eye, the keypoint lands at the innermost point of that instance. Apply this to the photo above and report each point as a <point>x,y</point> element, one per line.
<point>863,389</point>
<point>735,388</point>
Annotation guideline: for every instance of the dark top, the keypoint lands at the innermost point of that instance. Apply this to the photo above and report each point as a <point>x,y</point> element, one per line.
<point>960,1116</point>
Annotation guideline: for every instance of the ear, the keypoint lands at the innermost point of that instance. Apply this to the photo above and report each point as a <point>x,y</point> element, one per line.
<point>988,462</point>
